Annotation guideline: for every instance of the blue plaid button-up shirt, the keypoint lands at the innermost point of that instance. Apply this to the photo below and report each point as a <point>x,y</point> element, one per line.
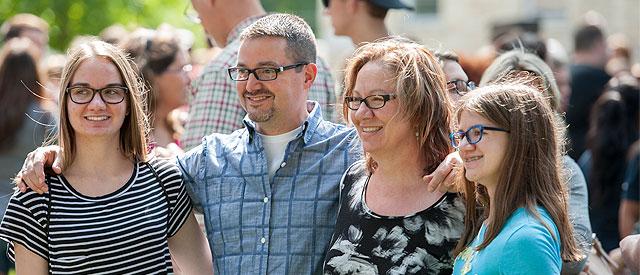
<point>261,225</point>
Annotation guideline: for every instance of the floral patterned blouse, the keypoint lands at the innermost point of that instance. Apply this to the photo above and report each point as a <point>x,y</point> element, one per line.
<point>366,243</point>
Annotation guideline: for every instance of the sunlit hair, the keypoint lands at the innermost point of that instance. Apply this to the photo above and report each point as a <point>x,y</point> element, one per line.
<point>420,88</point>
<point>301,42</point>
<point>530,173</point>
<point>134,130</point>
<point>19,87</point>
<point>519,64</point>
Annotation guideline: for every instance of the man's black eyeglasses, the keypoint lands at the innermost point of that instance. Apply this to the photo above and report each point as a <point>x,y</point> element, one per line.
<point>262,74</point>
<point>372,101</point>
<point>84,94</point>
<point>473,134</point>
<point>461,87</point>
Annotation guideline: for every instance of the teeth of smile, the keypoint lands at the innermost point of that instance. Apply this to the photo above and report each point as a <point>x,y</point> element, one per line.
<point>97,118</point>
<point>370,129</point>
<point>257,97</point>
<point>473,158</point>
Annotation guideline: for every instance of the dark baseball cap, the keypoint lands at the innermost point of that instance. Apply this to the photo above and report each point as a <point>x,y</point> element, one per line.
<point>387,4</point>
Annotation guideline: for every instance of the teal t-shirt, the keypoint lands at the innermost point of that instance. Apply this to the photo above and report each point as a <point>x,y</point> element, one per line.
<point>523,246</point>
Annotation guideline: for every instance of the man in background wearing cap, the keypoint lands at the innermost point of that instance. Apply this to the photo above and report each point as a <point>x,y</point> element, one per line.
<point>362,21</point>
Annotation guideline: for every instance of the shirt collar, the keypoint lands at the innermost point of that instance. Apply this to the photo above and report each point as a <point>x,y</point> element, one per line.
<point>237,30</point>
<point>309,126</point>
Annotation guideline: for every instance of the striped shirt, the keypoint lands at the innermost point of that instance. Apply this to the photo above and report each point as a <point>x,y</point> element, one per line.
<point>257,224</point>
<point>214,106</point>
<point>119,233</point>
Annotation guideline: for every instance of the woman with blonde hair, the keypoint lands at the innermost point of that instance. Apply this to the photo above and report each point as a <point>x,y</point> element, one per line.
<point>114,209</point>
<point>388,220</point>
<point>510,142</point>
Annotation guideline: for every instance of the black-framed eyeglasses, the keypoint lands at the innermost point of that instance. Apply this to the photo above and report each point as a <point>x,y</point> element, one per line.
<point>84,94</point>
<point>473,134</point>
<point>461,87</point>
<point>372,101</point>
<point>262,74</point>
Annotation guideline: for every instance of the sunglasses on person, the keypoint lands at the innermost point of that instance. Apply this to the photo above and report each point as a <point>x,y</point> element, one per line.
<point>473,134</point>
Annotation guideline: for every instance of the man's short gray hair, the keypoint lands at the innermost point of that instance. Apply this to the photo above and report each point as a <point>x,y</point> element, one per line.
<point>301,42</point>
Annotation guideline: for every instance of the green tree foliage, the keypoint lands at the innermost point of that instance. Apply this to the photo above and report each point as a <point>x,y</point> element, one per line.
<point>69,18</point>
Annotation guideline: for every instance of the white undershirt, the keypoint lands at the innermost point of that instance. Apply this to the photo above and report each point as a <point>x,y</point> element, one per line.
<point>275,147</point>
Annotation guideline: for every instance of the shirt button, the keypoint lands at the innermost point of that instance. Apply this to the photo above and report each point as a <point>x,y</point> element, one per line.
<point>283,164</point>
<point>263,240</point>
<point>265,200</point>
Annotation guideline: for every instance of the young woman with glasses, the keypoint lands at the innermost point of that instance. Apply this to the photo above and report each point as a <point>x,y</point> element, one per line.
<point>518,64</point>
<point>113,210</point>
<point>510,142</point>
<point>388,221</point>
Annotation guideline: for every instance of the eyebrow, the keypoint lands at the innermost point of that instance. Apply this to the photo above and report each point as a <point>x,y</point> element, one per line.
<point>373,92</point>
<point>261,64</point>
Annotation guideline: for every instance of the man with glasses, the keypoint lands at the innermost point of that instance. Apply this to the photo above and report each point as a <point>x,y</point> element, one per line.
<point>214,107</point>
<point>269,191</point>
<point>458,83</point>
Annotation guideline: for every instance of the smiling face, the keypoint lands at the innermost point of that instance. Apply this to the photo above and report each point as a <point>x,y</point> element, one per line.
<point>96,118</point>
<point>381,130</point>
<point>277,106</point>
<point>483,160</point>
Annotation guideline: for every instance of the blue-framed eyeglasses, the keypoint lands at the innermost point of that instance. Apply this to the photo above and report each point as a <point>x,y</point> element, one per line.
<point>473,134</point>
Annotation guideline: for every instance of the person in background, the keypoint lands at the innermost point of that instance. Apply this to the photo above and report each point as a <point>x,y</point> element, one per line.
<point>510,141</point>
<point>52,68</point>
<point>29,26</point>
<point>629,213</point>
<point>362,21</point>
<point>213,105</point>
<point>613,129</point>
<point>24,123</point>
<point>458,84</point>
<point>164,66</point>
<point>113,34</point>
<point>588,80</point>
<point>558,61</point>
<point>113,209</point>
<point>389,222</point>
<point>516,63</point>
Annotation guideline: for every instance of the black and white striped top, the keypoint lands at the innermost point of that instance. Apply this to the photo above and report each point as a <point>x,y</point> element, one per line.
<point>120,233</point>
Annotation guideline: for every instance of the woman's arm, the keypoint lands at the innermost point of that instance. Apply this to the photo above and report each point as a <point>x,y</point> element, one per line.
<point>28,262</point>
<point>190,249</point>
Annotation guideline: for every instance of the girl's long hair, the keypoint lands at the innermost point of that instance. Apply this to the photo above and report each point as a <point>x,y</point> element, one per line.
<point>531,171</point>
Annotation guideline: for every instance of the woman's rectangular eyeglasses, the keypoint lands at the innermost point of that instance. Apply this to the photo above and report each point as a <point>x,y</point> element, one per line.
<point>372,101</point>
<point>473,134</point>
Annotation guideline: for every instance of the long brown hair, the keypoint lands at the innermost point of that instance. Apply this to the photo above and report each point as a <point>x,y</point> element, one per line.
<point>531,171</point>
<point>19,87</point>
<point>421,90</point>
<point>135,128</point>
